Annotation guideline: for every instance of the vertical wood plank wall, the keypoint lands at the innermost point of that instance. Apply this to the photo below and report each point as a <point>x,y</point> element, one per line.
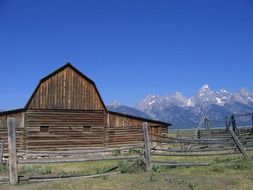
<point>66,90</point>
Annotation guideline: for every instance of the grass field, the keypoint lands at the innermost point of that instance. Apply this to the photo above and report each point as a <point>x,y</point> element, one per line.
<point>223,173</point>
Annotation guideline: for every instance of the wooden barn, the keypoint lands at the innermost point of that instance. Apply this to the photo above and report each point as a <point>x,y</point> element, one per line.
<point>66,111</point>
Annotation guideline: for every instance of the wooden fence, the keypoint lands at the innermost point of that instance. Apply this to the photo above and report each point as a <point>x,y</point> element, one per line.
<point>16,157</point>
<point>215,142</point>
<point>212,143</point>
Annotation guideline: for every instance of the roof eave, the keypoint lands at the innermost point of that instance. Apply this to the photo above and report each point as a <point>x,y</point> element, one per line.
<point>8,112</point>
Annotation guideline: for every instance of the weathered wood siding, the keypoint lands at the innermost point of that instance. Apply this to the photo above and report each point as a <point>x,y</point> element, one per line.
<point>65,129</point>
<point>115,120</point>
<point>66,89</point>
<point>123,136</point>
<point>128,130</point>
<point>19,130</point>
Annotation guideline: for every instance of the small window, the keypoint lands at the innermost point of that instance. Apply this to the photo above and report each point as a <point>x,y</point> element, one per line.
<point>44,129</point>
<point>87,129</point>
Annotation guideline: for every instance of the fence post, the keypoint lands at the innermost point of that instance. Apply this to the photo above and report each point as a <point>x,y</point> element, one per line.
<point>1,151</point>
<point>146,147</point>
<point>234,125</point>
<point>252,123</point>
<point>208,128</point>
<point>239,145</point>
<point>226,123</point>
<point>13,172</point>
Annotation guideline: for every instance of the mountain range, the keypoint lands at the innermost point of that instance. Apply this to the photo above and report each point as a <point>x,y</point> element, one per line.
<point>185,112</point>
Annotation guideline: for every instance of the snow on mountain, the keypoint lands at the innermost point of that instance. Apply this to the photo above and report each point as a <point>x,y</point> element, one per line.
<point>185,112</point>
<point>223,97</point>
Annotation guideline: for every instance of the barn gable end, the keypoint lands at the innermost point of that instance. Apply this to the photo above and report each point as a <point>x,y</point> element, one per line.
<point>66,89</point>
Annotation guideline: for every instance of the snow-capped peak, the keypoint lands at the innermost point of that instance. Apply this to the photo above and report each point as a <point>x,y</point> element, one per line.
<point>224,91</point>
<point>181,111</point>
<point>205,87</point>
<point>203,99</point>
<point>178,94</point>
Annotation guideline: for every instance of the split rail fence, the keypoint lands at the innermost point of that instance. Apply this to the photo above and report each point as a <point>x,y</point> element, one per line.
<point>205,142</point>
<point>211,142</point>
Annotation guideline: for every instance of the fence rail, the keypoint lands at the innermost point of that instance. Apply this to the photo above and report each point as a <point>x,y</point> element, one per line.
<point>214,143</point>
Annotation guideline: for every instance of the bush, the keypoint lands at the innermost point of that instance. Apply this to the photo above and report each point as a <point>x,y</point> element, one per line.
<point>116,153</point>
<point>135,151</point>
<point>152,177</point>
<point>132,166</point>
<point>3,169</point>
<point>192,186</point>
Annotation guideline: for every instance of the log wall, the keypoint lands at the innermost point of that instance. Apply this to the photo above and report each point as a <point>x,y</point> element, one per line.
<point>72,129</point>
<point>66,130</point>
<point>118,122</point>
<point>124,136</point>
<point>20,130</point>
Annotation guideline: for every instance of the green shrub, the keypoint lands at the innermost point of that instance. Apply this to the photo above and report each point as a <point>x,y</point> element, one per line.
<point>116,153</point>
<point>124,166</point>
<point>135,151</point>
<point>153,177</point>
<point>62,174</point>
<point>132,166</point>
<point>192,186</point>
<point>3,169</point>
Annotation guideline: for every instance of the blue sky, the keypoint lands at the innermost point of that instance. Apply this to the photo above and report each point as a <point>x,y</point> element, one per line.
<point>130,48</point>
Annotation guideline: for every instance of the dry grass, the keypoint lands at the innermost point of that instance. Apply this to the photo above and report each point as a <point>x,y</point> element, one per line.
<point>224,173</point>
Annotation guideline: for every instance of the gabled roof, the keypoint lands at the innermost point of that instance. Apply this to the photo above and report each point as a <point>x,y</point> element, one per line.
<point>68,65</point>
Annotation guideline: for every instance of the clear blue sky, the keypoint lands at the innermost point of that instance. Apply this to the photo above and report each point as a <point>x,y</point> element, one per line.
<point>129,48</point>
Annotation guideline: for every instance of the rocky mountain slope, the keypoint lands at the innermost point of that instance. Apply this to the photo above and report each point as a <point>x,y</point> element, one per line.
<point>185,112</point>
